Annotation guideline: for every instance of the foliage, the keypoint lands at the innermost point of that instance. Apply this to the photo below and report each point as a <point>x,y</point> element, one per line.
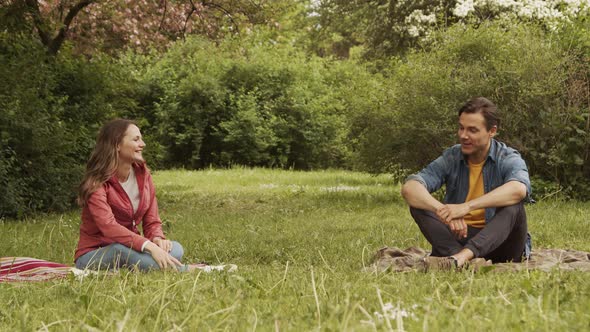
<point>51,109</point>
<point>260,98</point>
<point>383,28</point>
<point>111,26</point>
<point>145,24</point>
<point>241,102</point>
<point>50,20</point>
<point>550,12</point>
<point>245,102</point>
<point>540,89</point>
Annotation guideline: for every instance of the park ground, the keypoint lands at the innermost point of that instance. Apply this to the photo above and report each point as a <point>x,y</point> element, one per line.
<point>301,241</point>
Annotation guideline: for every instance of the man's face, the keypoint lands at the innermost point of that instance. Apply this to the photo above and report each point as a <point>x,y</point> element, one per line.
<point>474,136</point>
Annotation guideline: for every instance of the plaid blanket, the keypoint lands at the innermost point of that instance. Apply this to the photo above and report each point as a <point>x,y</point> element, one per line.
<point>412,259</point>
<point>13,269</point>
<point>30,269</point>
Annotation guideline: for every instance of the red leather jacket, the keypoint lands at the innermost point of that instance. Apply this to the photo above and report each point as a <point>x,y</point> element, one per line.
<point>108,215</point>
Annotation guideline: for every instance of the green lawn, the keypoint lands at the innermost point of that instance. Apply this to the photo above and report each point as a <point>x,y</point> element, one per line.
<point>300,240</point>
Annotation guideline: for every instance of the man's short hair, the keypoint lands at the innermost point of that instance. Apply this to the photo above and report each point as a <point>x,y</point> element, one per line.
<point>485,107</point>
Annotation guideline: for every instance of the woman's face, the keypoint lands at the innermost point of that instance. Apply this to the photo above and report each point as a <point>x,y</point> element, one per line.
<point>131,146</point>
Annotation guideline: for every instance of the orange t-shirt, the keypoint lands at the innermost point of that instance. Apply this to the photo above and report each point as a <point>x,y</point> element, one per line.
<point>475,218</point>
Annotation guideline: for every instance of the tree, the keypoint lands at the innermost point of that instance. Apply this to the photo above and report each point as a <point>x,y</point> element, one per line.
<point>35,12</point>
<point>390,27</point>
<point>383,27</point>
<point>140,24</point>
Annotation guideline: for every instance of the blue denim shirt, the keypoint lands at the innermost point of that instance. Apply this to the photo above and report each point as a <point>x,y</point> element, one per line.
<point>503,164</point>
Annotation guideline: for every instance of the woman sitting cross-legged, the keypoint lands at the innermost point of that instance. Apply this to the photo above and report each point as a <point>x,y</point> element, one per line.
<point>117,196</point>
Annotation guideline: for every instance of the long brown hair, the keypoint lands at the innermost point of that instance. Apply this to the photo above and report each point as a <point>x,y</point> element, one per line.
<point>104,159</point>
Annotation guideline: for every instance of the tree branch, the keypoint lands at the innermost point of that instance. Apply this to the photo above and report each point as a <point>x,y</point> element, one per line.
<point>188,17</point>
<point>40,25</point>
<point>56,43</point>
<point>163,15</point>
<point>223,10</point>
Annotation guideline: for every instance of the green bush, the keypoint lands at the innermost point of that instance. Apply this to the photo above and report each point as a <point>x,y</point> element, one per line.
<point>51,110</point>
<point>257,102</point>
<point>245,102</point>
<point>528,75</point>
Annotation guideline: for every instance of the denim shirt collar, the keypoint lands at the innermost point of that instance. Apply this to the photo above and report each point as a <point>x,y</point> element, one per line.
<point>492,152</point>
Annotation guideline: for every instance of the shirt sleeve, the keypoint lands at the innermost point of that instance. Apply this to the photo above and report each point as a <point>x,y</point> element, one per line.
<point>432,176</point>
<point>514,169</point>
<point>143,246</point>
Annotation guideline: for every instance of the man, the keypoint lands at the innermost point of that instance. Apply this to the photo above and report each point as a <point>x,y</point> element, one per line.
<point>482,214</point>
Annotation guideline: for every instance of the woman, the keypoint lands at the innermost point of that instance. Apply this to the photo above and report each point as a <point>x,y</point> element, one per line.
<point>117,195</point>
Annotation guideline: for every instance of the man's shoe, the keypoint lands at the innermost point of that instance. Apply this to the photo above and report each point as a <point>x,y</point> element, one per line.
<point>432,263</point>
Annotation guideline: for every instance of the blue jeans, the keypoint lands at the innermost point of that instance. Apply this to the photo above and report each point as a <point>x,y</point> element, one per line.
<point>116,255</point>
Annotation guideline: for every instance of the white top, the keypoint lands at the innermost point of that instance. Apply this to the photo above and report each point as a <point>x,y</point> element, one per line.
<point>132,190</point>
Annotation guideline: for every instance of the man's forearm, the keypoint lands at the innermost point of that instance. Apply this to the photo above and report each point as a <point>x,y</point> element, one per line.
<point>507,194</point>
<point>418,197</point>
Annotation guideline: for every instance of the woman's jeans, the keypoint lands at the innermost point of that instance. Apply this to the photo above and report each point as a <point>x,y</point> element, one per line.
<point>116,255</point>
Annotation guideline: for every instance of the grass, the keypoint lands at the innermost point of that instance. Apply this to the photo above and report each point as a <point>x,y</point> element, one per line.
<point>300,240</point>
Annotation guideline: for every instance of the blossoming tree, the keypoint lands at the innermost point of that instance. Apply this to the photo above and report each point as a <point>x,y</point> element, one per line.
<point>117,24</point>
<point>389,27</point>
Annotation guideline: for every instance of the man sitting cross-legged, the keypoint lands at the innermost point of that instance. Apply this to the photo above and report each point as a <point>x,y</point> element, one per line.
<point>482,214</point>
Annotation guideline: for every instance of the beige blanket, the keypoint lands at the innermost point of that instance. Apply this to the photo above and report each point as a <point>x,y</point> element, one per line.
<point>412,259</point>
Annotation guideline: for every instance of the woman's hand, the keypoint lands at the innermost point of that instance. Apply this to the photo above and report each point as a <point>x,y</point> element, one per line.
<point>166,245</point>
<point>164,259</point>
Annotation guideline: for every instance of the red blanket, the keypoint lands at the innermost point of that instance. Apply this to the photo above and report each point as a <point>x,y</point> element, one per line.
<point>30,269</point>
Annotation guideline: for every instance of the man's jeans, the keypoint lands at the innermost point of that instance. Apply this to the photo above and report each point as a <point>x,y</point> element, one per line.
<point>502,239</point>
<point>116,255</point>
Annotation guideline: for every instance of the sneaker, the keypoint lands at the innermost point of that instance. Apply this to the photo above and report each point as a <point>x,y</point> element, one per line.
<point>432,263</point>
<point>210,268</point>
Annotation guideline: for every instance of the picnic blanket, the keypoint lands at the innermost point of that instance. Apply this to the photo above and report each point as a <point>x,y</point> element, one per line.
<point>31,269</point>
<point>13,269</point>
<point>412,259</point>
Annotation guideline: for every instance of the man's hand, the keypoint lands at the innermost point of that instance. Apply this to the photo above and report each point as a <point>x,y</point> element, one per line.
<point>166,245</point>
<point>458,227</point>
<point>449,212</point>
<point>164,259</point>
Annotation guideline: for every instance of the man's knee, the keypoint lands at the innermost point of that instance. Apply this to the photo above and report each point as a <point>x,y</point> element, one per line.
<point>515,208</point>
<point>515,211</point>
<point>420,215</point>
<point>415,212</point>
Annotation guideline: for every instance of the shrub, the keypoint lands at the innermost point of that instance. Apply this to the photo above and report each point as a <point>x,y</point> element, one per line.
<point>520,68</point>
<point>244,102</point>
<point>51,109</point>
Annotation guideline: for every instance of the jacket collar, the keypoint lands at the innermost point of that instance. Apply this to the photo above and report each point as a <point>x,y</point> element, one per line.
<point>139,169</point>
<point>492,154</point>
